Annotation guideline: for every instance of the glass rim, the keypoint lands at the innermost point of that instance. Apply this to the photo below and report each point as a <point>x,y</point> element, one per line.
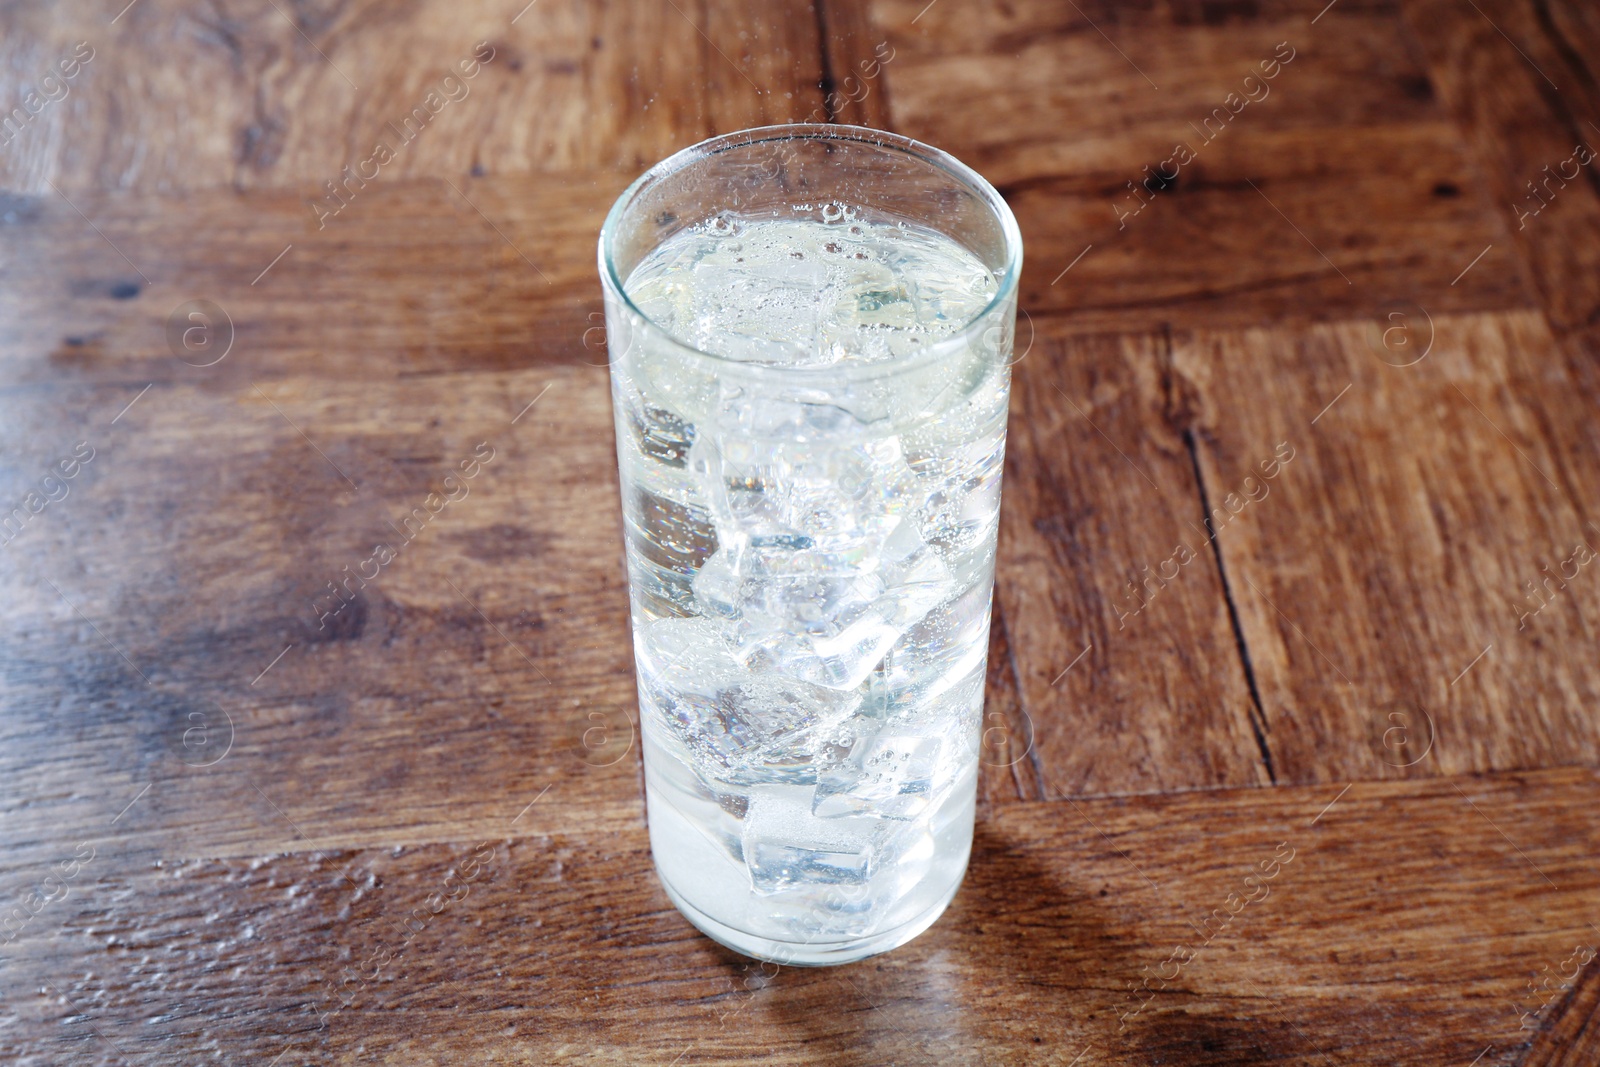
<point>684,158</point>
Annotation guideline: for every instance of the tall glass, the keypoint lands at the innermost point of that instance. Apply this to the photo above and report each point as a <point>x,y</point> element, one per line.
<point>810,331</point>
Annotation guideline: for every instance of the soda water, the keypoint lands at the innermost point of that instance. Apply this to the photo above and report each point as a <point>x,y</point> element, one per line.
<point>811,482</point>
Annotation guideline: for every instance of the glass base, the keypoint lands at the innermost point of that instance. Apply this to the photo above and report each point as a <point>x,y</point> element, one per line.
<point>811,953</point>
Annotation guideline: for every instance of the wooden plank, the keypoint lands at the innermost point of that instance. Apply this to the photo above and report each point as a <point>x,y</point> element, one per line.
<point>1570,1036</point>
<point>187,573</point>
<point>1127,665</point>
<point>1275,227</point>
<point>409,278</point>
<point>1274,211</point>
<point>857,58</point>
<point>1142,77</point>
<point>271,95</point>
<point>1398,901</point>
<point>1521,79</point>
<point>1383,578</point>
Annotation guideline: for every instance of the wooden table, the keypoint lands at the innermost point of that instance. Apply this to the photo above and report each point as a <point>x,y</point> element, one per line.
<point>242,827</point>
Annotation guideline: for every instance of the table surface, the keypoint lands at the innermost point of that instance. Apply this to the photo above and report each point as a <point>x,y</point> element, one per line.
<point>1356,246</point>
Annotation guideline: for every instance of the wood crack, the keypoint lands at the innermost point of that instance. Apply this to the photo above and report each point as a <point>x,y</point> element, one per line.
<point>1258,717</point>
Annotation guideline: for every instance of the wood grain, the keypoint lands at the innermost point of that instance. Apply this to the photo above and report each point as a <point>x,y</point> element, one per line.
<point>1274,211</point>
<point>857,58</point>
<point>1521,79</point>
<point>1399,545</point>
<point>410,278</point>
<point>261,94</point>
<point>1126,661</point>
<point>556,945</point>
<point>1094,89</point>
<point>1570,1036</point>
<point>1337,672</point>
<point>191,574</point>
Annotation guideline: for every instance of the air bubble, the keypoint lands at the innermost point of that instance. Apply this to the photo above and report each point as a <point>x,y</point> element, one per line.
<point>802,290</point>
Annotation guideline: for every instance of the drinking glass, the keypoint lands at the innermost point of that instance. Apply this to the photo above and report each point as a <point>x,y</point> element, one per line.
<point>810,330</point>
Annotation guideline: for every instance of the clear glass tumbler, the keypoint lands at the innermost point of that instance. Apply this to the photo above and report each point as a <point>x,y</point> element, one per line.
<point>810,331</point>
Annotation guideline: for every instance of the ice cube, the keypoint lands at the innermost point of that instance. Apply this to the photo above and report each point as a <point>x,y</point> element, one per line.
<point>661,434</point>
<point>820,566</point>
<point>942,649</point>
<point>825,631</point>
<point>961,486</point>
<point>744,498</point>
<point>768,729</point>
<point>776,866</point>
<point>718,587</point>
<point>741,344</point>
<point>786,847</point>
<point>838,502</point>
<point>826,912</point>
<point>850,500</point>
<point>885,776</point>
<point>794,418</point>
<point>915,577</point>
<point>828,630</point>
<point>956,717</point>
<point>769,314</point>
<point>691,652</point>
<point>951,704</point>
<point>680,536</point>
<point>737,725</point>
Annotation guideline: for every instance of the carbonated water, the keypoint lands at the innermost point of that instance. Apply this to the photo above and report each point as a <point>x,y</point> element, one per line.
<point>811,516</point>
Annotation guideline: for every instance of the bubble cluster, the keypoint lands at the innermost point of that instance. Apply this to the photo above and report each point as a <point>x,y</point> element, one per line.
<point>788,291</point>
